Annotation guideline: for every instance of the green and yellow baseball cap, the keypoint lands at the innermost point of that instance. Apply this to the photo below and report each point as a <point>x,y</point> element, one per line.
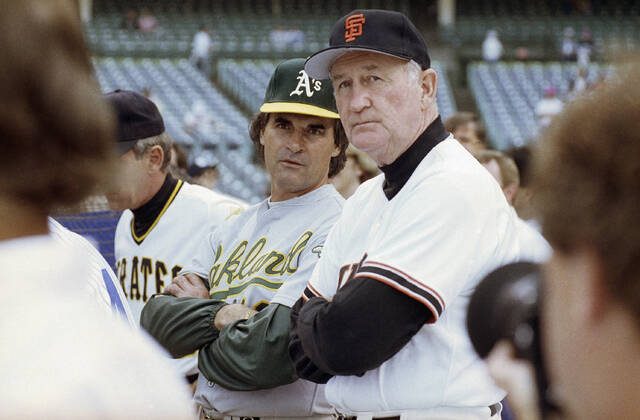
<point>292,91</point>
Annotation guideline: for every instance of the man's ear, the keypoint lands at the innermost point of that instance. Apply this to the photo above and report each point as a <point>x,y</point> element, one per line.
<point>155,156</point>
<point>429,84</point>
<point>510,192</point>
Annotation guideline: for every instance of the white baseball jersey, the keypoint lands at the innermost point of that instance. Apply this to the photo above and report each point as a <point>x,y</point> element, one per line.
<point>68,353</point>
<point>102,284</point>
<point>447,227</point>
<point>146,264</point>
<point>266,255</point>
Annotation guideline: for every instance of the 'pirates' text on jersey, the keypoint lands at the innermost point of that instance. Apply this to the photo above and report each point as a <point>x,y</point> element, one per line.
<point>146,264</point>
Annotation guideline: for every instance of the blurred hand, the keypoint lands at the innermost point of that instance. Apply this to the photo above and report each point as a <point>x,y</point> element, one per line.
<point>516,376</point>
<point>232,313</point>
<point>189,285</point>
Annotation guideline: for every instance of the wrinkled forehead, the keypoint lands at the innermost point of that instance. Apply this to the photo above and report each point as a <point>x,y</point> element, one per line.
<point>357,61</point>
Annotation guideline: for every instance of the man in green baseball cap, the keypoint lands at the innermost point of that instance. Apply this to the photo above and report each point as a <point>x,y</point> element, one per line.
<point>258,263</point>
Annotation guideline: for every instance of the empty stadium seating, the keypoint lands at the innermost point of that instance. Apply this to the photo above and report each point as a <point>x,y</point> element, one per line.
<point>177,85</point>
<point>507,93</point>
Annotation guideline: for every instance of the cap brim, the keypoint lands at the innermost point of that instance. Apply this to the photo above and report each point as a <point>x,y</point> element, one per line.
<point>297,108</point>
<point>319,64</point>
<point>123,147</point>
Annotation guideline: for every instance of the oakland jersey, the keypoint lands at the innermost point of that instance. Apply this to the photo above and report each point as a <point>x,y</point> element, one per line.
<point>145,264</point>
<point>436,258</point>
<point>266,255</point>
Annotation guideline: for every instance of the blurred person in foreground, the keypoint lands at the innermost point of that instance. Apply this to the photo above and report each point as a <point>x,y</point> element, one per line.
<point>586,173</point>
<point>468,130</point>
<point>61,356</point>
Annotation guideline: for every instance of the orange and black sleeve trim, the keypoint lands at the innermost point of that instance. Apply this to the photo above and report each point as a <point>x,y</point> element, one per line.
<point>405,284</point>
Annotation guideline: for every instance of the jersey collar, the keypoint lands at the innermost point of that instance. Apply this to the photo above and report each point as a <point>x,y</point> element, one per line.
<point>397,173</point>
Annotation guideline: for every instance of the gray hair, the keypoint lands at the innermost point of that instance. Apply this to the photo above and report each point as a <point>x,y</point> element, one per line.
<point>414,71</point>
<point>163,140</point>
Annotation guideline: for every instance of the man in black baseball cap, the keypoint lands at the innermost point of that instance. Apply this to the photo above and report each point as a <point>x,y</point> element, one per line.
<point>382,319</point>
<point>380,31</point>
<point>164,219</point>
<point>138,118</point>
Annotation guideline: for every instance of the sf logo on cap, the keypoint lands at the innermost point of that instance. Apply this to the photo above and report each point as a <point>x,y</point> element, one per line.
<point>308,84</point>
<point>353,27</point>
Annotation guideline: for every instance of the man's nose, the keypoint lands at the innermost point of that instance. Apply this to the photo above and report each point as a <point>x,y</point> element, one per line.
<point>296,141</point>
<point>359,99</point>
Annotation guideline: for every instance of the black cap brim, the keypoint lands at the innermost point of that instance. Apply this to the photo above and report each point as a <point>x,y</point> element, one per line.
<point>319,64</point>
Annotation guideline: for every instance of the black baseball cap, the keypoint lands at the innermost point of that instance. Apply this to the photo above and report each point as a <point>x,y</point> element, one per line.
<point>381,31</point>
<point>291,90</point>
<point>138,118</point>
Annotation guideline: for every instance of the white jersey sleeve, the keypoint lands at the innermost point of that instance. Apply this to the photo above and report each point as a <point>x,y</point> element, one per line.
<point>102,284</point>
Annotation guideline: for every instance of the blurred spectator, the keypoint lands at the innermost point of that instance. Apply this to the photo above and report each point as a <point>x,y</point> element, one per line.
<point>358,168</point>
<point>503,169</point>
<point>522,202</point>
<point>584,48</point>
<point>201,51</point>
<point>130,20</point>
<point>147,22</point>
<point>204,170</point>
<point>568,44</point>
<point>522,53</point>
<point>57,142</point>
<point>548,107</point>
<point>580,83</point>
<point>468,130</point>
<point>492,47</point>
<point>199,121</point>
<point>283,39</point>
<point>178,165</point>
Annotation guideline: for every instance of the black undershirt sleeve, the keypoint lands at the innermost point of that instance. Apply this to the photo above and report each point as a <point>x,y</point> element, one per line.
<point>365,324</point>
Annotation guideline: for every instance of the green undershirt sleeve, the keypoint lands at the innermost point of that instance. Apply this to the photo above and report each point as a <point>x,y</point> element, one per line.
<point>181,325</point>
<point>251,354</point>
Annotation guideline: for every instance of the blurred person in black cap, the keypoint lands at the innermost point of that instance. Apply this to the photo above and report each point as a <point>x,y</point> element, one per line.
<point>204,170</point>
<point>164,219</point>
<point>381,321</point>
<point>585,172</point>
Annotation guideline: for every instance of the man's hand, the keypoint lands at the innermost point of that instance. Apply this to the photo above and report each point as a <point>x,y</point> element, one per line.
<point>189,285</point>
<point>232,313</point>
<point>517,377</point>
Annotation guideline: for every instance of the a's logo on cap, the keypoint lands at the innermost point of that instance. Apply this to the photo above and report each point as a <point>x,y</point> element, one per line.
<point>353,27</point>
<point>309,85</point>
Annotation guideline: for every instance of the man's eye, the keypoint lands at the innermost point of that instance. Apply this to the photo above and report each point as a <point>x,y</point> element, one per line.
<point>372,78</point>
<point>344,84</point>
<point>316,131</point>
<point>282,125</point>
